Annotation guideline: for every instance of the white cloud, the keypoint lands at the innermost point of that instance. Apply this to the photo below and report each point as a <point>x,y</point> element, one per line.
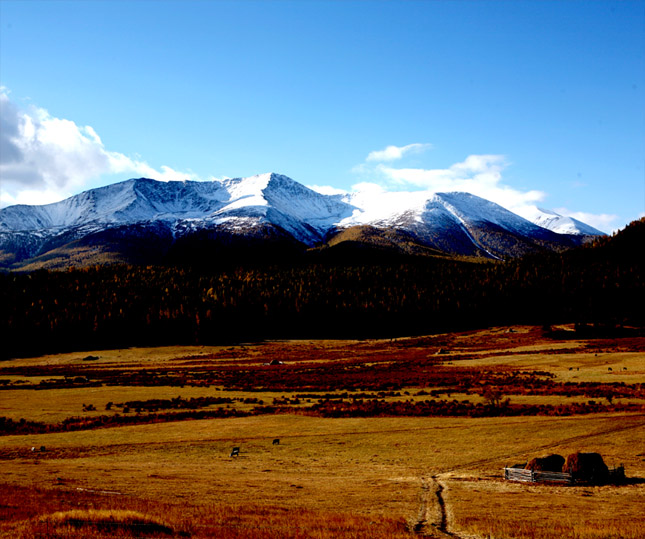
<point>480,175</point>
<point>44,159</point>
<point>394,153</point>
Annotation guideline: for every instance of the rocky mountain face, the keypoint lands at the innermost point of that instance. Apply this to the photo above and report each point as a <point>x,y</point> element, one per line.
<point>147,221</point>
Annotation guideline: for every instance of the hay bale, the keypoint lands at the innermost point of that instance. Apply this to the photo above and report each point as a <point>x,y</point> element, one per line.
<point>587,467</point>
<point>551,463</point>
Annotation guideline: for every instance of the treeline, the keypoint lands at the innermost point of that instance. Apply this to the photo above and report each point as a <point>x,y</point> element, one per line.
<point>122,306</point>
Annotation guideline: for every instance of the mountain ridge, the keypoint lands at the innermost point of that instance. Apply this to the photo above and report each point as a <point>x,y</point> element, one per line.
<point>563,224</point>
<point>272,206</point>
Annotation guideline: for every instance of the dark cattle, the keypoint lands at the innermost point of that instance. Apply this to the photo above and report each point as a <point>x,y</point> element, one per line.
<point>276,441</point>
<point>235,452</point>
<point>587,467</point>
<point>42,449</point>
<point>552,463</point>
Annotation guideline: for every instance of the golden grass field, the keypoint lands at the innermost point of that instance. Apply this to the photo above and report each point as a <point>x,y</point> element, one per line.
<point>328,477</point>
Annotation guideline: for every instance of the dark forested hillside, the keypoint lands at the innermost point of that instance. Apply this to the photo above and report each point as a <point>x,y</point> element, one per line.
<point>118,306</point>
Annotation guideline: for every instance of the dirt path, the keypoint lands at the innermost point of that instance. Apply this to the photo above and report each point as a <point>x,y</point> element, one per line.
<point>432,518</point>
<point>436,523</point>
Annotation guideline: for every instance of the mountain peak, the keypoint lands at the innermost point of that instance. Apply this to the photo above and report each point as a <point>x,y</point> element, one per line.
<point>456,223</point>
<point>561,224</point>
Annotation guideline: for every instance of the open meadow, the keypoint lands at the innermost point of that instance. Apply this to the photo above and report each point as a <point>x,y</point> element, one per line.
<point>348,439</point>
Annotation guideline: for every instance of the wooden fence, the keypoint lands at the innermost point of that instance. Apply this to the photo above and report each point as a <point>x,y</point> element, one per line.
<point>616,475</point>
<point>533,476</point>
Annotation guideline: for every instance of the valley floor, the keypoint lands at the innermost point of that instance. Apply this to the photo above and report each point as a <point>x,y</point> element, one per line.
<point>306,473</point>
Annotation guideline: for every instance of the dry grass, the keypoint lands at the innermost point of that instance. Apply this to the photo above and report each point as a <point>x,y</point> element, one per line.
<point>223,520</point>
<point>372,468</point>
<point>56,405</point>
<point>501,509</point>
<point>101,522</point>
<point>627,367</point>
<point>135,357</point>
<point>341,478</point>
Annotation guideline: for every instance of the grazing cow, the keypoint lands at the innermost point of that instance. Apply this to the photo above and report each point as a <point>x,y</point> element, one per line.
<point>235,452</point>
<point>276,441</point>
<point>42,449</point>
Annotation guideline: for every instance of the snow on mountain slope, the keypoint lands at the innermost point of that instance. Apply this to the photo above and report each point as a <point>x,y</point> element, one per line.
<point>241,203</point>
<point>378,208</point>
<point>563,225</point>
<point>396,208</point>
<point>458,223</point>
<point>80,209</point>
<point>126,202</point>
<point>473,209</point>
<point>284,202</point>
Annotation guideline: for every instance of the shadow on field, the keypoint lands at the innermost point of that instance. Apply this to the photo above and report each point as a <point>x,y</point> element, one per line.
<point>631,481</point>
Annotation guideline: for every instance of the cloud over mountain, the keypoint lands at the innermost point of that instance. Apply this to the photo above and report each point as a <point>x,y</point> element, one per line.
<point>480,175</point>
<point>44,158</point>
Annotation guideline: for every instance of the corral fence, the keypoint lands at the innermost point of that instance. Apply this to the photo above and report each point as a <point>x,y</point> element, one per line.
<point>616,475</point>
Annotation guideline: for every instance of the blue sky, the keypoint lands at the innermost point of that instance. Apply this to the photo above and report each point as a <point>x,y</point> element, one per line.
<point>525,103</point>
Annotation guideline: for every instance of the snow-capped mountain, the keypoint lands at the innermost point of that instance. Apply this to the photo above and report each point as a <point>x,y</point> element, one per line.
<point>266,205</point>
<point>464,224</point>
<point>562,224</point>
<point>270,197</point>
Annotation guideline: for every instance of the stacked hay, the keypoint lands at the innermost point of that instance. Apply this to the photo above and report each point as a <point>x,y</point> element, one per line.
<point>587,467</point>
<point>551,463</point>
